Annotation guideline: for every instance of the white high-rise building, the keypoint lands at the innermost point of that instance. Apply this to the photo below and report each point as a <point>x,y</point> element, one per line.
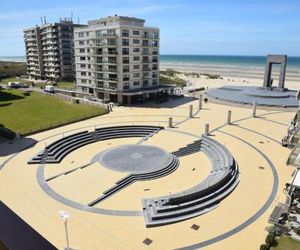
<point>117,59</point>
<point>50,51</point>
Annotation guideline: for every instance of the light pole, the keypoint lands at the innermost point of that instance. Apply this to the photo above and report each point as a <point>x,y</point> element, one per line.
<point>65,215</point>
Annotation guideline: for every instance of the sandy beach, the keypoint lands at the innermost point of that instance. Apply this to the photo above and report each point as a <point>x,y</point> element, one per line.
<point>231,75</point>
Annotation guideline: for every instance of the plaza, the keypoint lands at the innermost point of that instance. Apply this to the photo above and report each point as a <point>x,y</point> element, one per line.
<point>75,182</point>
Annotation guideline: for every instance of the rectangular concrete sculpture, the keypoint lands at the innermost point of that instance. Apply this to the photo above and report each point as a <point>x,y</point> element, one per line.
<point>254,109</point>
<point>229,117</point>
<point>170,122</point>
<point>200,102</point>
<point>275,59</point>
<point>206,129</point>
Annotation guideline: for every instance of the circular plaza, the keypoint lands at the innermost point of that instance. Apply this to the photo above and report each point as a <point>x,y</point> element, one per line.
<point>129,169</point>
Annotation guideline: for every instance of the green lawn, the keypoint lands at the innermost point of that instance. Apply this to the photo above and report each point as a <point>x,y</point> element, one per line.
<point>25,114</point>
<point>65,85</point>
<point>13,79</point>
<point>286,243</point>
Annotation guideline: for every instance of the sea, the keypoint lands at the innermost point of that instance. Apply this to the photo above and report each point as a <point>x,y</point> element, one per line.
<point>223,61</point>
<point>203,60</point>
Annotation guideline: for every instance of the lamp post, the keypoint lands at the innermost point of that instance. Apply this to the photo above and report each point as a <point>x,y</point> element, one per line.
<point>64,216</point>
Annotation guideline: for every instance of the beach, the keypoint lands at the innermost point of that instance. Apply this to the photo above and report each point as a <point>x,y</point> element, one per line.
<point>229,75</point>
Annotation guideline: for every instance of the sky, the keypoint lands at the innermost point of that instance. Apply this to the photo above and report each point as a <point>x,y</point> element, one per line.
<point>196,27</point>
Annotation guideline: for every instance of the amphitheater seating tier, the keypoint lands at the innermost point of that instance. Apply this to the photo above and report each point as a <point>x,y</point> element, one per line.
<point>203,197</point>
<point>58,150</point>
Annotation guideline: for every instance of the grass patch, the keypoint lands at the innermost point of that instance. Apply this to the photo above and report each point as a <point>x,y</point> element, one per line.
<point>65,85</point>
<point>285,242</point>
<point>208,76</point>
<point>27,114</point>
<point>170,77</point>
<point>14,79</point>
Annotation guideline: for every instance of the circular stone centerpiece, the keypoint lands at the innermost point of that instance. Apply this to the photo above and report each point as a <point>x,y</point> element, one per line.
<point>135,159</point>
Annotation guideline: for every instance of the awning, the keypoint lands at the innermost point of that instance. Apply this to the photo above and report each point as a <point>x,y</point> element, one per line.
<point>294,157</point>
<point>296,181</point>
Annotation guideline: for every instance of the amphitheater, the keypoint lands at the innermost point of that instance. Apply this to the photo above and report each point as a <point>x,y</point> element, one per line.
<point>130,181</point>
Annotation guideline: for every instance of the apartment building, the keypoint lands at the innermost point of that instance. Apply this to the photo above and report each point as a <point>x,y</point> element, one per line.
<point>32,37</point>
<point>117,59</point>
<point>50,51</point>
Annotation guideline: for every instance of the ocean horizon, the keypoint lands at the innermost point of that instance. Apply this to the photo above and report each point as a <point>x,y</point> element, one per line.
<point>203,60</point>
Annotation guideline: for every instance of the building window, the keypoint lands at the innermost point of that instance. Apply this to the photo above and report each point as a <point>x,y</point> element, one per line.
<point>145,59</point>
<point>125,51</point>
<point>136,83</point>
<point>82,58</point>
<point>111,41</point>
<point>136,32</point>
<point>136,41</point>
<point>145,83</point>
<point>81,50</point>
<point>126,85</point>
<point>126,60</point>
<point>154,59</point>
<point>136,66</point>
<point>126,77</point>
<point>126,68</point>
<point>81,34</point>
<point>82,66</point>
<point>145,43</point>
<point>136,75</point>
<point>87,33</point>
<point>125,33</point>
<point>125,42</point>
<point>81,43</point>
<point>111,32</point>
<point>154,43</point>
<point>154,75</point>
<point>136,58</point>
<point>83,73</point>
<point>136,50</point>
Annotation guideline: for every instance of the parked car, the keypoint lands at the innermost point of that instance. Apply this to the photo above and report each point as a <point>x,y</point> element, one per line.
<point>12,85</point>
<point>16,85</point>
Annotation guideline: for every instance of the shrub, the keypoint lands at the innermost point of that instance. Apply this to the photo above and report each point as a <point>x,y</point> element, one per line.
<point>263,247</point>
<point>271,239</point>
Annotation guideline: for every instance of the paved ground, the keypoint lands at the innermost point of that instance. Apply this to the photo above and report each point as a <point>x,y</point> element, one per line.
<point>243,215</point>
